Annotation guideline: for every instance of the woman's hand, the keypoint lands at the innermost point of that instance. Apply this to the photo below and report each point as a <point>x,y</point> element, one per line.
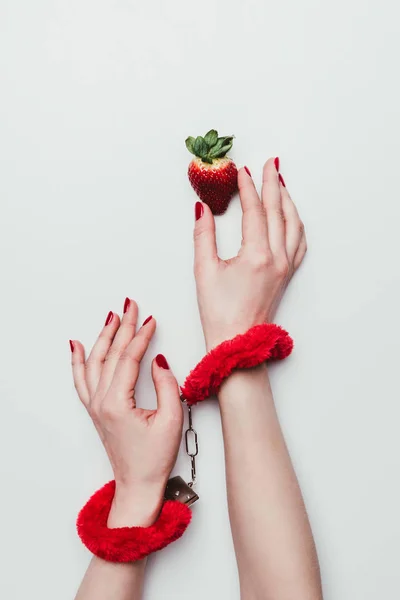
<point>236,294</point>
<point>142,445</point>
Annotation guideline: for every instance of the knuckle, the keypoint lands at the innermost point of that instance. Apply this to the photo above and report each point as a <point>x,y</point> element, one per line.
<point>107,412</point>
<point>199,233</point>
<point>127,356</point>
<point>261,260</point>
<point>257,210</point>
<point>124,356</point>
<point>282,267</point>
<point>113,354</point>
<point>143,339</point>
<point>94,411</point>
<point>90,363</point>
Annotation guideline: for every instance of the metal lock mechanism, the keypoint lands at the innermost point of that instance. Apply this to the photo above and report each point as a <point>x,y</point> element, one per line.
<point>178,489</point>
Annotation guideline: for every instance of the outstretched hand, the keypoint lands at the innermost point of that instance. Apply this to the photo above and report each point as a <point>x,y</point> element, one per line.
<point>142,445</point>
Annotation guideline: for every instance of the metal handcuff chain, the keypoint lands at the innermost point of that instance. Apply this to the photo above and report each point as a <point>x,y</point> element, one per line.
<point>192,448</point>
<point>177,488</point>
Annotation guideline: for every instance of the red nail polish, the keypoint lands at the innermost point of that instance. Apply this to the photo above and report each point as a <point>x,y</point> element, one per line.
<point>127,304</point>
<point>282,180</point>
<point>109,318</point>
<point>276,163</point>
<point>247,171</point>
<point>198,211</point>
<point>162,361</point>
<point>147,320</point>
<point>72,345</point>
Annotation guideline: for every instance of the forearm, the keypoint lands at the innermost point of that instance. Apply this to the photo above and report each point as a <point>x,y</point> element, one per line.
<point>271,532</point>
<point>122,581</point>
<point>112,581</point>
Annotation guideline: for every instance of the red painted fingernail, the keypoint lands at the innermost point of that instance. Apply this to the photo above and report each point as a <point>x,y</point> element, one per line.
<point>276,163</point>
<point>72,345</point>
<point>162,361</point>
<point>126,305</point>
<point>282,180</point>
<point>147,320</point>
<point>247,171</point>
<point>198,211</point>
<point>109,318</point>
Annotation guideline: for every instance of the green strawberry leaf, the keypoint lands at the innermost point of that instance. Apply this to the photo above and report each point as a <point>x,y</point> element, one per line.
<point>227,140</point>
<point>190,144</point>
<point>200,147</point>
<point>222,147</point>
<point>223,150</point>
<point>210,146</point>
<point>211,138</point>
<point>217,147</point>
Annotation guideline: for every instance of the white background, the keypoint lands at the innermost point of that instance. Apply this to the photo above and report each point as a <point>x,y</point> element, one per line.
<point>97,98</point>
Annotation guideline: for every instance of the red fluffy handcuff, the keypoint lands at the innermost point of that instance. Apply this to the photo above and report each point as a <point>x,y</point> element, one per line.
<point>129,544</point>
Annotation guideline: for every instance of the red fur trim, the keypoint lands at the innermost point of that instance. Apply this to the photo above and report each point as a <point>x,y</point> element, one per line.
<point>128,544</point>
<point>260,343</point>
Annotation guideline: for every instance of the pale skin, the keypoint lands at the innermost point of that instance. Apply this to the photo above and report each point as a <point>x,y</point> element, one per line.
<point>274,546</point>
<point>142,445</point>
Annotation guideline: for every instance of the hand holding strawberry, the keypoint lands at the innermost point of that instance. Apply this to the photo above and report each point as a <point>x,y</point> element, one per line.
<point>236,294</point>
<point>211,173</point>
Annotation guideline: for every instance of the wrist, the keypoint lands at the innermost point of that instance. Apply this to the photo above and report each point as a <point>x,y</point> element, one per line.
<point>214,336</point>
<point>218,337</point>
<point>135,506</point>
<point>242,383</point>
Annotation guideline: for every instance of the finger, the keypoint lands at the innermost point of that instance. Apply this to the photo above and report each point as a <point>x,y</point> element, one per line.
<point>127,370</point>
<point>167,389</point>
<point>205,244</point>
<point>254,222</point>
<point>271,198</point>
<point>301,252</point>
<point>79,371</point>
<point>122,338</point>
<point>294,227</point>
<point>99,351</point>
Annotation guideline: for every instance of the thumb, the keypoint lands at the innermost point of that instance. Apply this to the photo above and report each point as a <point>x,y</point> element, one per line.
<point>167,389</point>
<point>205,244</point>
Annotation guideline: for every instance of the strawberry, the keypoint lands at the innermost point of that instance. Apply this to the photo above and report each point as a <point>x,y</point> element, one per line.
<point>211,173</point>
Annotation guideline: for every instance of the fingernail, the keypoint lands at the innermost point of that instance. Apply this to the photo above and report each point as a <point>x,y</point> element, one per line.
<point>276,163</point>
<point>126,305</point>
<point>247,171</point>
<point>72,345</point>
<point>162,361</point>
<point>198,212</point>
<point>147,320</point>
<point>282,180</point>
<point>109,318</point>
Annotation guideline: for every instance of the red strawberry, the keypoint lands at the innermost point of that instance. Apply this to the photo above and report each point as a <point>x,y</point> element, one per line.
<point>212,174</point>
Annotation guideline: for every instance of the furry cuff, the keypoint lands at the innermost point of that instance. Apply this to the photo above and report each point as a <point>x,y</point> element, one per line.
<point>258,344</point>
<point>128,544</point>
